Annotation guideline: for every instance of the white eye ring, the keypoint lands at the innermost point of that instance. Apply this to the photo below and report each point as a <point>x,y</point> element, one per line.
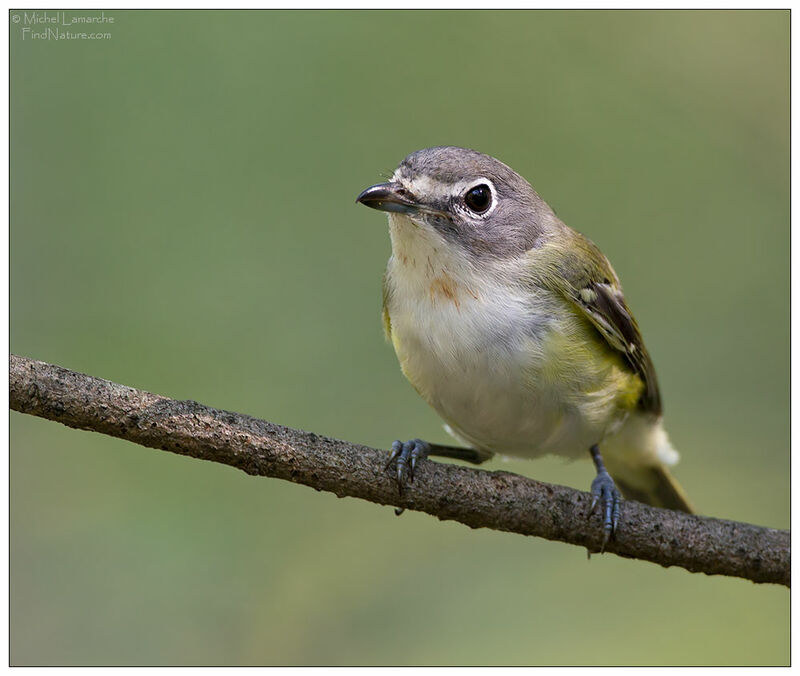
<point>475,195</point>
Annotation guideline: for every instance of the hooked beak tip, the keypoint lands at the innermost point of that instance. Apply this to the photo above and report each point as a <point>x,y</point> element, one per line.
<point>387,197</point>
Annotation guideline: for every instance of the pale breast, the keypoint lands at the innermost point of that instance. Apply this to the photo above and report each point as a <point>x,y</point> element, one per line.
<point>507,368</point>
<point>477,357</point>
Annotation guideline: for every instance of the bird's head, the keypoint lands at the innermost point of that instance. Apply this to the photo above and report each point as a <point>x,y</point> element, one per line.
<point>466,199</point>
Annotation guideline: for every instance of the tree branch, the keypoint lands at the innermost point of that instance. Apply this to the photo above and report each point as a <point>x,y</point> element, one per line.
<point>477,498</point>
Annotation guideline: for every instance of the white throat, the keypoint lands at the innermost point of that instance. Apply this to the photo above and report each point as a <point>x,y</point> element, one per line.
<point>426,267</point>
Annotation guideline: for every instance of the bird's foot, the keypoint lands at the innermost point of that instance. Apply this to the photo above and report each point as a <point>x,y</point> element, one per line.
<point>604,492</point>
<point>405,456</point>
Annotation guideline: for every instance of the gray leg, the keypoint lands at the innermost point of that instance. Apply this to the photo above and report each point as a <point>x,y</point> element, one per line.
<point>407,454</point>
<point>465,454</point>
<point>604,491</point>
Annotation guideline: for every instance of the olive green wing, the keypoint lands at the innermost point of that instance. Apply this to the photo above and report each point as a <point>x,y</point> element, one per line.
<point>587,279</point>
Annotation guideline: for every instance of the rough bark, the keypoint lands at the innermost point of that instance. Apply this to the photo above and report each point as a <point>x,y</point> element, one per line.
<point>477,498</point>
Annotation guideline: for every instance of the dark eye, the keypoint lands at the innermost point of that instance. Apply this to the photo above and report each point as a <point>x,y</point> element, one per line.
<point>479,198</point>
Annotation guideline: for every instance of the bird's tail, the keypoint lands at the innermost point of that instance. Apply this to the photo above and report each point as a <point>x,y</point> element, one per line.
<point>654,485</point>
<point>640,466</point>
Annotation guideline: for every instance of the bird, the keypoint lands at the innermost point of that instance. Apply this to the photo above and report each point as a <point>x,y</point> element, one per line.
<point>514,328</point>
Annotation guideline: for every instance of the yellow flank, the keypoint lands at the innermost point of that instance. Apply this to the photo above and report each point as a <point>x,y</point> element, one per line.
<point>586,372</point>
<point>387,320</point>
<point>387,324</point>
<point>416,380</point>
<point>630,390</point>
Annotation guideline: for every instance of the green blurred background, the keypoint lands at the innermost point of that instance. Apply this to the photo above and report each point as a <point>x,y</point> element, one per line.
<point>183,221</point>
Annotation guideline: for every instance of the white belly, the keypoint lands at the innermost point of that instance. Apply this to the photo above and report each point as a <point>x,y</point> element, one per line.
<point>485,378</point>
<point>511,369</point>
<point>479,355</point>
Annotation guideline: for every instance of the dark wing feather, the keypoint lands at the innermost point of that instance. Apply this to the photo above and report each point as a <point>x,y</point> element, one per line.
<point>605,307</point>
<point>586,278</point>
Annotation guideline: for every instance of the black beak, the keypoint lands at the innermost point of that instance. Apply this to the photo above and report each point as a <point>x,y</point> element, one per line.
<point>388,197</point>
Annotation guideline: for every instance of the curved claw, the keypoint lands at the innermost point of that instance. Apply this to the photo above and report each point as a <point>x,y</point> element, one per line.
<point>397,446</point>
<point>418,452</point>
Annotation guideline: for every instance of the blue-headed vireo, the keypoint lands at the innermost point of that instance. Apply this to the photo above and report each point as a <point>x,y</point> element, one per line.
<point>514,328</point>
